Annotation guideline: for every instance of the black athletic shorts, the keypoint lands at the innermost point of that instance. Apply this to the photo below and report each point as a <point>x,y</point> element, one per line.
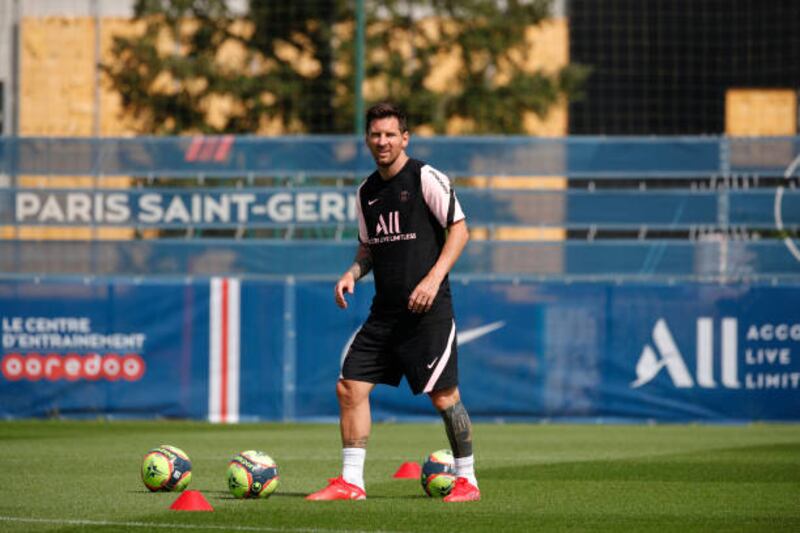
<point>385,349</point>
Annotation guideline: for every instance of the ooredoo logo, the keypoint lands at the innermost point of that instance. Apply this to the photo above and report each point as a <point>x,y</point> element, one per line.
<point>72,367</point>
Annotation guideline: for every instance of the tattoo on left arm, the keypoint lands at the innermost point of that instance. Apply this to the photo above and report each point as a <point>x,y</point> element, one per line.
<point>365,264</point>
<point>362,263</point>
<point>355,270</point>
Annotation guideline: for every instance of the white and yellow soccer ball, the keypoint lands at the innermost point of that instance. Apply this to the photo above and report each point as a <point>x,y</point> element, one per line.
<point>166,468</point>
<point>438,474</point>
<point>252,474</point>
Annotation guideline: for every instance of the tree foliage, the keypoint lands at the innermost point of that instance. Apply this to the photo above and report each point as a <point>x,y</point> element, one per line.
<point>196,66</point>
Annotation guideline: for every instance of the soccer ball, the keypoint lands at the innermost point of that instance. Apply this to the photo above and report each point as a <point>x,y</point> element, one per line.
<point>166,468</point>
<point>438,474</point>
<point>252,474</point>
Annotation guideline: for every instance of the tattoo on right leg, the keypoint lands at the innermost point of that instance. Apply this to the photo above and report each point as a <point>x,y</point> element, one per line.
<point>459,429</point>
<point>355,443</point>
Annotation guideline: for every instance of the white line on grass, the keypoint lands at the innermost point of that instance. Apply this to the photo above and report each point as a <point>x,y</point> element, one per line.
<point>99,523</point>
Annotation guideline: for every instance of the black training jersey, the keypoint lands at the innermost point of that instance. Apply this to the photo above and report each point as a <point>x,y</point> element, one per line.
<point>403,222</point>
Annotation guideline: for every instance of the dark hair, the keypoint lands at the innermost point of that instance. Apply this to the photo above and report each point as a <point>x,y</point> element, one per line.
<point>384,110</point>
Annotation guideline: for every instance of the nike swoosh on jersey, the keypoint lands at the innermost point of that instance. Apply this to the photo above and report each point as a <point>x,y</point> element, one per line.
<point>432,363</point>
<point>374,200</point>
<point>469,335</point>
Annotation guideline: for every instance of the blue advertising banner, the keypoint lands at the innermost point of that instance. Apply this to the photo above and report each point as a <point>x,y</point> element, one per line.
<point>259,207</point>
<point>121,349</point>
<point>162,207</point>
<point>230,350</point>
<point>265,332</point>
<point>703,352</point>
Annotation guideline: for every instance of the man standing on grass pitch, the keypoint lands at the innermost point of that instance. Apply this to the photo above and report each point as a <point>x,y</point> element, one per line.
<point>411,231</point>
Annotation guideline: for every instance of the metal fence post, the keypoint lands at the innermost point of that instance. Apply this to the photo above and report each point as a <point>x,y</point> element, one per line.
<point>360,51</point>
<point>289,349</point>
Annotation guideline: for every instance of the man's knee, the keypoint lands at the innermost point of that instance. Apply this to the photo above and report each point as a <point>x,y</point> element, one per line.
<point>351,393</point>
<point>442,399</point>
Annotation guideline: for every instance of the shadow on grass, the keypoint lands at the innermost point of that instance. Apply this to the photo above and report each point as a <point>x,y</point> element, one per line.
<point>279,495</point>
<point>222,495</point>
<point>766,463</point>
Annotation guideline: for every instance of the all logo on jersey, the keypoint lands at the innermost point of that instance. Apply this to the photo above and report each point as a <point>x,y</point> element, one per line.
<point>388,229</point>
<point>393,226</point>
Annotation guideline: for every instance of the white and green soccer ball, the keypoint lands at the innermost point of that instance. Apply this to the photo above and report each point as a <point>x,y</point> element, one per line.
<point>438,474</point>
<point>252,474</point>
<point>166,468</point>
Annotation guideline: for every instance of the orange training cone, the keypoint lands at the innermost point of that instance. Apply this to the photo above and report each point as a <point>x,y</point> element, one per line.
<point>191,500</point>
<point>408,470</point>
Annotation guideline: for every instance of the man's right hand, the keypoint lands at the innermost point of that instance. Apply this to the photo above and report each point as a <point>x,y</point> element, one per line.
<point>346,284</point>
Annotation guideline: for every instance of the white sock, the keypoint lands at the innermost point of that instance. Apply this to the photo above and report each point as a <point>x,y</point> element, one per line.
<point>465,467</point>
<point>353,465</point>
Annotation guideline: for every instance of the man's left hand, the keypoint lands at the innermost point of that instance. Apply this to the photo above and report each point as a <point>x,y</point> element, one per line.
<point>425,292</point>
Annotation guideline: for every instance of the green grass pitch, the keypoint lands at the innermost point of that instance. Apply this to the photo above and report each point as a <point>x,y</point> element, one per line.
<point>84,476</point>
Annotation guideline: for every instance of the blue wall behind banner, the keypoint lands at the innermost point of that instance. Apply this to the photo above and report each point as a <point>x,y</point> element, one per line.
<point>254,349</point>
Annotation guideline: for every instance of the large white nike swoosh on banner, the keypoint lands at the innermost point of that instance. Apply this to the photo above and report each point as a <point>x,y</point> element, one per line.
<point>469,335</point>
